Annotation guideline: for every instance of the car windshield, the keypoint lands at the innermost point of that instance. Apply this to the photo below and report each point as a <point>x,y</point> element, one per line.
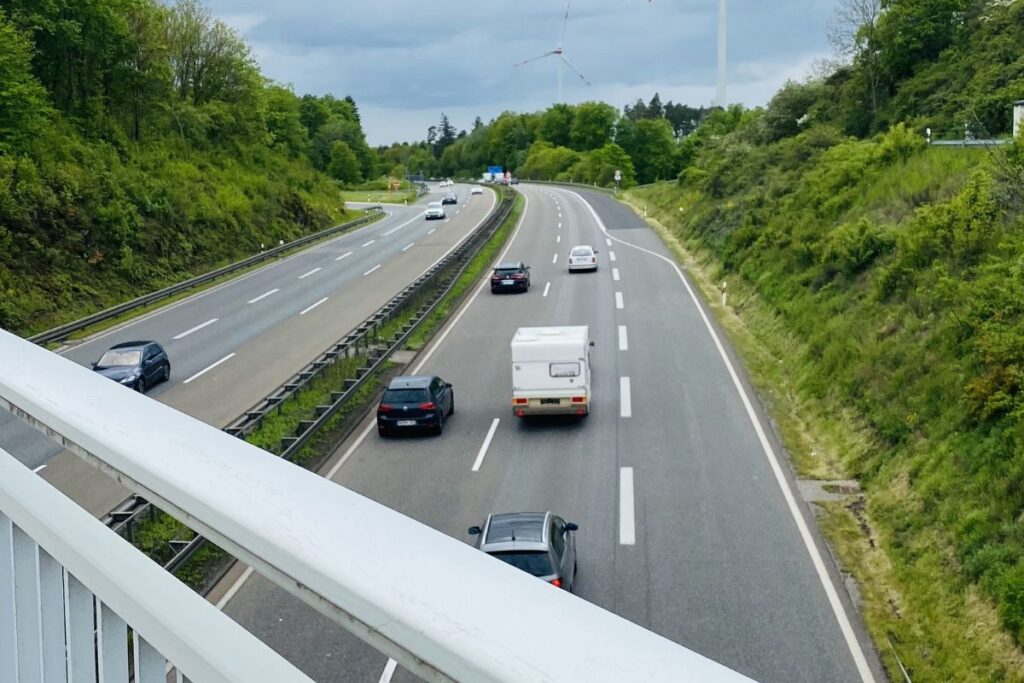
<point>535,562</point>
<point>434,205</point>
<point>582,251</point>
<point>404,396</point>
<point>118,357</point>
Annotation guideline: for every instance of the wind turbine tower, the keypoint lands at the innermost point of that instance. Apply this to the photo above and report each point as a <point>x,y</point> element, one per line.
<point>559,52</point>
<point>720,96</point>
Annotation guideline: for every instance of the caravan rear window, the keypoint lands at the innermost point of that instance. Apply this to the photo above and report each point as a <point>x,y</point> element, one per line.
<point>564,369</point>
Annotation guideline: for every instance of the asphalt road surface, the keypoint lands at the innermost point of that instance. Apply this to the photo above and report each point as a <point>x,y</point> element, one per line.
<point>687,524</point>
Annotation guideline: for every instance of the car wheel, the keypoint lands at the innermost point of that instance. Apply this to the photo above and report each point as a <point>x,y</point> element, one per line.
<point>452,411</point>
<point>141,386</point>
<point>440,422</point>
<point>167,373</point>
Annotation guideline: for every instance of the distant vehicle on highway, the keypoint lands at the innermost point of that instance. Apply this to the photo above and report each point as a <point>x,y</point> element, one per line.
<point>539,543</point>
<point>477,190</point>
<point>450,198</point>
<point>135,364</point>
<point>415,402</point>
<point>514,181</point>
<point>582,257</point>
<point>510,276</point>
<point>434,210</point>
<point>551,371</point>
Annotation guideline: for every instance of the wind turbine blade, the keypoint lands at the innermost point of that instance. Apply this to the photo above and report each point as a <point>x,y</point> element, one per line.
<point>534,59</point>
<point>565,22</point>
<point>569,64</point>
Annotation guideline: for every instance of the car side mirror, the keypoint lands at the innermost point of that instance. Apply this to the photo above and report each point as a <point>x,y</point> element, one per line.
<point>474,530</point>
<point>596,251</point>
<point>572,526</point>
<point>591,343</point>
<point>95,363</point>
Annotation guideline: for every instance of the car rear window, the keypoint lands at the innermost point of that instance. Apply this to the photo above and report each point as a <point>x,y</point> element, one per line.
<point>582,252</point>
<point>434,205</point>
<point>564,369</point>
<point>116,357</point>
<point>404,396</point>
<point>535,562</point>
<point>506,271</point>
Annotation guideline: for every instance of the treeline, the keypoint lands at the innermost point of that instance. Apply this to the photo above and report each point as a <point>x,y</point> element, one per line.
<point>139,143</point>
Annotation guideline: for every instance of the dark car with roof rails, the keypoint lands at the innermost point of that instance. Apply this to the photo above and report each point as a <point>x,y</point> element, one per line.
<point>510,276</point>
<point>415,403</point>
<point>539,543</point>
<point>135,364</point>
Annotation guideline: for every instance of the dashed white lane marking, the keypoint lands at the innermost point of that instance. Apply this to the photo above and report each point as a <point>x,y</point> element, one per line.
<point>447,219</point>
<point>305,275</point>
<point>371,270</point>
<point>627,507</point>
<point>195,329</point>
<point>618,301</point>
<point>607,241</point>
<point>559,224</point>
<point>345,255</point>
<point>625,398</point>
<point>623,339</point>
<point>40,468</point>
<point>611,255</point>
<point>546,288</point>
<point>209,367</point>
<point>487,444</point>
<point>408,246</point>
<point>399,227</point>
<point>457,212</point>
<point>389,671</point>
<point>263,296</point>
<point>310,308</point>
<point>431,231</point>
<point>555,259</point>
<point>615,274</point>
<point>558,238</point>
<point>368,243</point>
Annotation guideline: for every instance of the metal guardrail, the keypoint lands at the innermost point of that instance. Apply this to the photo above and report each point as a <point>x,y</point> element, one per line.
<point>439,607</point>
<point>62,332</point>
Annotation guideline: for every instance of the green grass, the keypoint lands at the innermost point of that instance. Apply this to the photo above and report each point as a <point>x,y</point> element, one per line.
<point>383,197</point>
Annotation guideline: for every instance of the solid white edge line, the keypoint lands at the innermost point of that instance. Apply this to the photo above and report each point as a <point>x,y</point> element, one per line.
<point>209,367</point>
<point>627,507</point>
<point>310,308</point>
<point>408,246</point>
<point>805,534</point>
<point>40,468</point>
<point>388,672</point>
<point>625,398</point>
<point>305,275</point>
<point>226,598</point>
<point>263,296</point>
<point>546,288</point>
<point>615,274</point>
<point>618,301</point>
<point>195,329</point>
<point>623,338</point>
<point>345,255</point>
<point>487,444</point>
<point>371,270</point>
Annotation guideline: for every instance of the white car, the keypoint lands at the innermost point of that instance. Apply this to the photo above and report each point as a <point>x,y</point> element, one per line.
<point>477,190</point>
<point>434,210</point>
<point>582,257</point>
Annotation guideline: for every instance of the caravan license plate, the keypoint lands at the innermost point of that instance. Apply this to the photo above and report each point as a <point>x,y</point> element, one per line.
<point>550,401</point>
<point>507,282</point>
<point>406,423</point>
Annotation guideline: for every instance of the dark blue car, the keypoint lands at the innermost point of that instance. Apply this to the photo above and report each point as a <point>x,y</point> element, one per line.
<point>136,364</point>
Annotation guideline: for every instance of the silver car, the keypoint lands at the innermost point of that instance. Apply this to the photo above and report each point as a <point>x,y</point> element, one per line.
<point>434,210</point>
<point>539,543</point>
<point>582,257</point>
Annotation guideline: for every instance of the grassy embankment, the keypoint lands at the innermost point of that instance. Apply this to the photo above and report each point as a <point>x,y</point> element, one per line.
<point>875,292</point>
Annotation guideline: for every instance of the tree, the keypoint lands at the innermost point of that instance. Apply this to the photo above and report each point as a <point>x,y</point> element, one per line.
<point>592,125</point>
<point>650,145</point>
<point>445,135</point>
<point>284,121</point>
<point>654,108</point>
<point>344,165</point>
<point>556,125</point>
<point>910,32</point>
<point>788,110</point>
<point>506,136</point>
<point>23,105</point>
<point>853,34</point>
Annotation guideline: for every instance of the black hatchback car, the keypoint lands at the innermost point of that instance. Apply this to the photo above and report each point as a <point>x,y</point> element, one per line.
<point>415,402</point>
<point>450,198</point>
<point>539,543</point>
<point>135,364</point>
<point>510,276</point>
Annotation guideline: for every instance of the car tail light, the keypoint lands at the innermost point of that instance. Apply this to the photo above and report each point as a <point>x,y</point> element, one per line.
<point>593,260</point>
<point>557,583</point>
<point>517,276</point>
<point>520,413</point>
<point>429,405</point>
<point>384,408</point>
<point>520,401</point>
<point>579,399</point>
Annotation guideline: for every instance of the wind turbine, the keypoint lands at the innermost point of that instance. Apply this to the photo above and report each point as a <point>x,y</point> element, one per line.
<point>559,52</point>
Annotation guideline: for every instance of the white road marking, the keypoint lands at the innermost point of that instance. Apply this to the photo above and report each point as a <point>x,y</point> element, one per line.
<point>399,227</point>
<point>607,241</point>
<point>40,468</point>
<point>457,212</point>
<point>345,255</point>
<point>558,238</point>
<point>615,274</point>
<point>368,243</point>
<point>209,367</point>
<point>487,444</point>
<point>446,220</point>
<point>835,603</point>
<point>263,296</point>
<point>388,672</point>
<point>408,246</point>
<point>559,214</point>
<point>627,507</point>
<point>625,398</point>
<point>555,259</point>
<point>195,329</point>
<point>559,224</point>
<point>307,310</point>
<point>371,270</point>
<point>618,301</point>
<point>546,288</point>
<point>611,255</point>
<point>623,339</point>
<point>305,275</point>
<point>431,231</point>
<point>226,598</point>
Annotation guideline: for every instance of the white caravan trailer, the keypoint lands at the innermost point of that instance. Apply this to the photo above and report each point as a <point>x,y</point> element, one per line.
<point>551,371</point>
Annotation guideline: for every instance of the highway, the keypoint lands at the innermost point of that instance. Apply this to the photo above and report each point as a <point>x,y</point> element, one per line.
<point>234,343</point>
<point>688,522</point>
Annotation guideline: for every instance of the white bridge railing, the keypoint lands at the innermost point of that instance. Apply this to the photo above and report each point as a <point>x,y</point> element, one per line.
<point>70,590</point>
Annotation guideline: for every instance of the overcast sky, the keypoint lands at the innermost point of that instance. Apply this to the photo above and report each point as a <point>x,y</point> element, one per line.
<point>404,61</point>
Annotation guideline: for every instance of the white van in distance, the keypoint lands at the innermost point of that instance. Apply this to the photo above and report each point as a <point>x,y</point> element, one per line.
<point>551,371</point>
